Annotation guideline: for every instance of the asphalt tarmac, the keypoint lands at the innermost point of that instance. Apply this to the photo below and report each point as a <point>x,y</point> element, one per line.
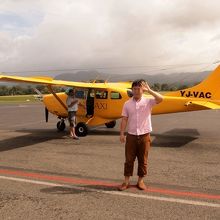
<point>44,174</point>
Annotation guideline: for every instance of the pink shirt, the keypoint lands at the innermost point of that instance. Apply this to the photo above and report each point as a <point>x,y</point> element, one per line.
<point>139,115</point>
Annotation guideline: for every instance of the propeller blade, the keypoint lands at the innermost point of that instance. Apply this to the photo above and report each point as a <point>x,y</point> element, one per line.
<point>46,114</point>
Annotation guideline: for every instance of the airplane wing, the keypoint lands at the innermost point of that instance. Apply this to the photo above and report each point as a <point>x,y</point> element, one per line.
<point>205,104</point>
<point>51,81</point>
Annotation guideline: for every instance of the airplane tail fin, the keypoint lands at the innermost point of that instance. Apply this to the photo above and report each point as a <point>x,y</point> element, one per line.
<point>209,88</point>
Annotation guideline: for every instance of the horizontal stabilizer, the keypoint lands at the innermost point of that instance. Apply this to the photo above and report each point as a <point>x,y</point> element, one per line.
<point>205,104</point>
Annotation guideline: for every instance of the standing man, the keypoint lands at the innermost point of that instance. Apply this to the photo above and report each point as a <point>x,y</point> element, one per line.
<point>72,104</point>
<point>136,114</point>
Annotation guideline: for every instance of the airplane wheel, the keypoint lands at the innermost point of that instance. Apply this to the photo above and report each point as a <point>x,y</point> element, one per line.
<point>81,129</point>
<point>110,124</point>
<point>61,125</point>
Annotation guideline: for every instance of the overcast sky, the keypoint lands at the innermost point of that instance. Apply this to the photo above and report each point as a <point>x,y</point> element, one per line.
<point>49,34</point>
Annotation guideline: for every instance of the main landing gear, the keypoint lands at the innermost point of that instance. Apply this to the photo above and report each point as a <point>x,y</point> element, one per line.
<point>81,128</point>
<point>110,124</point>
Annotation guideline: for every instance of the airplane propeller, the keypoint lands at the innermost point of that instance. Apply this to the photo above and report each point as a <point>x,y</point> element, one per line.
<point>46,114</point>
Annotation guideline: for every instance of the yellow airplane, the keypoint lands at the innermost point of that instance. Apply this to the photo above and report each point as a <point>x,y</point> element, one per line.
<point>104,101</point>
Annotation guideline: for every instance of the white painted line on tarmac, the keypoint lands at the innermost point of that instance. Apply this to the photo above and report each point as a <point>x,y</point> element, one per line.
<point>158,198</point>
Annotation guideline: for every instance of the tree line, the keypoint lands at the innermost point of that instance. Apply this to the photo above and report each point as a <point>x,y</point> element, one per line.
<point>168,87</point>
<point>26,90</point>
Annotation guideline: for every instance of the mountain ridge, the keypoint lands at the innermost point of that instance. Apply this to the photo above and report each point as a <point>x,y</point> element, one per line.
<point>172,78</point>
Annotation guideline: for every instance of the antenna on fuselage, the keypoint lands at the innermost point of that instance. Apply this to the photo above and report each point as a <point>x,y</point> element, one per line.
<point>94,81</point>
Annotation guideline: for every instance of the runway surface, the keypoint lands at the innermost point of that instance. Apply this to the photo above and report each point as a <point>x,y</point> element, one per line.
<point>46,175</point>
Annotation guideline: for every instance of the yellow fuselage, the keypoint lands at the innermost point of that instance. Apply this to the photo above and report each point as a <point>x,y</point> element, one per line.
<point>109,109</point>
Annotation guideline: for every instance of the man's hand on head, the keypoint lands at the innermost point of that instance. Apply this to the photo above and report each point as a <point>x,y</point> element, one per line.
<point>145,86</point>
<point>157,96</point>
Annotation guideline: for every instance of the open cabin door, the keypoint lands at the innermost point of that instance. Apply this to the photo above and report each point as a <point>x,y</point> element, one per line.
<point>101,103</point>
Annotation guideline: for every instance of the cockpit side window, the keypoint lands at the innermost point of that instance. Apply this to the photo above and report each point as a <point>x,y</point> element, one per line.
<point>101,94</point>
<point>80,94</point>
<point>115,95</point>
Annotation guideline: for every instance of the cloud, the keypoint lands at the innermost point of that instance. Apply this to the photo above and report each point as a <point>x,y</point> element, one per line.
<point>192,14</point>
<point>93,33</point>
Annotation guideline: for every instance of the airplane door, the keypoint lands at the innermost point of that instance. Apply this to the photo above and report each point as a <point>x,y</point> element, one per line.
<point>101,102</point>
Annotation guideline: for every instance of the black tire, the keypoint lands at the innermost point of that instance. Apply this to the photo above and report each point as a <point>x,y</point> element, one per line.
<point>61,125</point>
<point>81,129</point>
<point>110,124</point>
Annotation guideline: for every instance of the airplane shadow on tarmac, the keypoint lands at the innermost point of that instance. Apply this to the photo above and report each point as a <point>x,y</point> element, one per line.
<point>174,138</point>
<point>34,136</point>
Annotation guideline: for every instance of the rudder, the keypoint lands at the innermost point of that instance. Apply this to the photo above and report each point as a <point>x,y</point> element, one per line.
<point>209,88</point>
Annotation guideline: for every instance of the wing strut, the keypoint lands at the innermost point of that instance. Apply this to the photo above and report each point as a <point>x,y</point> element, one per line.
<point>56,96</point>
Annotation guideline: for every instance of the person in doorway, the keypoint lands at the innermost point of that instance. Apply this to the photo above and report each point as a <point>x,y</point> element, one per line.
<point>90,103</point>
<point>72,105</point>
<point>136,114</point>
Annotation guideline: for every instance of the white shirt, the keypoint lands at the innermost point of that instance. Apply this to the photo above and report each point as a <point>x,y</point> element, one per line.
<point>69,100</point>
<point>139,115</point>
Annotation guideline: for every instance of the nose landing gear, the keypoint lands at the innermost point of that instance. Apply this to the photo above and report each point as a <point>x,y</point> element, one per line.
<point>61,125</point>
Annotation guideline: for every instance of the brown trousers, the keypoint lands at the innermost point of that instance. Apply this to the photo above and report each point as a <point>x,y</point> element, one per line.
<point>136,146</point>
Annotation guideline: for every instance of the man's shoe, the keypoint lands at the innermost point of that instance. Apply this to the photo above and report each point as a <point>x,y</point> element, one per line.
<point>123,187</point>
<point>141,185</point>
